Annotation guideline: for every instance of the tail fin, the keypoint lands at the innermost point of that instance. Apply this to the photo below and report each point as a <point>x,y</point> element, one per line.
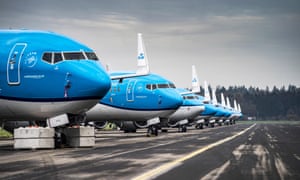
<point>235,105</point>
<point>239,108</point>
<point>214,97</point>
<point>195,81</point>
<point>142,60</point>
<point>228,103</point>
<point>223,100</point>
<point>206,92</point>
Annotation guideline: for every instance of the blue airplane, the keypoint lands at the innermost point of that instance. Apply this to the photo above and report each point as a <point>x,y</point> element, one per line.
<point>235,113</point>
<point>192,105</point>
<point>222,112</point>
<point>211,112</point>
<point>228,112</point>
<point>44,75</point>
<point>137,99</point>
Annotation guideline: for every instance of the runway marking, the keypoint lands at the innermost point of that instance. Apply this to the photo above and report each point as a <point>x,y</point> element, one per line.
<point>281,169</point>
<point>297,157</point>
<point>168,166</point>
<point>215,174</point>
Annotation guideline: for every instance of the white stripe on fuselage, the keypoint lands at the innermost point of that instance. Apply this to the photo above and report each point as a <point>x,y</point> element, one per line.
<point>20,110</point>
<point>102,112</point>
<point>185,112</point>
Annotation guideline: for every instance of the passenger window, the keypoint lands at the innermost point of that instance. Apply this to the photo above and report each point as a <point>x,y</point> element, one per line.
<point>91,56</point>
<point>47,57</point>
<point>57,57</point>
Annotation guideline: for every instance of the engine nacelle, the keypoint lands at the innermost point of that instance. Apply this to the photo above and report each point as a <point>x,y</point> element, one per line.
<point>11,125</point>
<point>99,124</point>
<point>141,124</point>
<point>173,123</point>
<point>127,126</point>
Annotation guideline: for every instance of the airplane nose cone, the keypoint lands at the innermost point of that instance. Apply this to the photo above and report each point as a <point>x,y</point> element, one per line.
<point>93,82</point>
<point>100,84</point>
<point>172,99</point>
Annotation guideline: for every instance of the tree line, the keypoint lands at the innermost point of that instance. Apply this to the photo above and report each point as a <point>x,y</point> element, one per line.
<point>264,104</point>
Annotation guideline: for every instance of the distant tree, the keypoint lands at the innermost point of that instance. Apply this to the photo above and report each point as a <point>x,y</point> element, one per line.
<point>283,103</point>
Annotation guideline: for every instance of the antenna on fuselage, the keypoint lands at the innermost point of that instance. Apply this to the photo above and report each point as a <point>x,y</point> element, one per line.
<point>142,59</point>
<point>107,67</point>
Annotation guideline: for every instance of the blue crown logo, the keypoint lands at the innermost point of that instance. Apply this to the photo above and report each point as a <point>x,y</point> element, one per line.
<point>194,80</point>
<point>141,56</point>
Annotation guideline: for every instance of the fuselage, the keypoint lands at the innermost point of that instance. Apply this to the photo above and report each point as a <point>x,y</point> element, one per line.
<point>191,107</point>
<point>44,74</point>
<point>136,99</point>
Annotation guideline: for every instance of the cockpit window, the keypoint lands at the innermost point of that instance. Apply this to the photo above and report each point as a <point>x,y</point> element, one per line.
<point>47,57</point>
<point>154,86</point>
<point>163,85</point>
<point>91,55</point>
<point>74,56</point>
<point>190,97</point>
<point>172,85</point>
<point>55,57</point>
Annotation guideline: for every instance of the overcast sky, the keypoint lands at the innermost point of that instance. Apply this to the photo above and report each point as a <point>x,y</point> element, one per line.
<point>231,42</point>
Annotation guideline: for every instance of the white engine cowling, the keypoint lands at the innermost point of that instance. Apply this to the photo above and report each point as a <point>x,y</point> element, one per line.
<point>141,124</point>
<point>99,124</point>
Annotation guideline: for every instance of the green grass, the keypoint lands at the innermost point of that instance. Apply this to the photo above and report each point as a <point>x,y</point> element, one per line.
<point>5,134</point>
<point>110,126</point>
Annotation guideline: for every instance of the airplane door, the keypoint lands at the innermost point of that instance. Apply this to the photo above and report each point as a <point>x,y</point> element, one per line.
<point>13,63</point>
<point>130,90</point>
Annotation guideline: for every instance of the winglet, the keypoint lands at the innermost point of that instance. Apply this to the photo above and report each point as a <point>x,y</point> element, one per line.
<point>195,81</point>
<point>142,60</point>
<point>206,92</point>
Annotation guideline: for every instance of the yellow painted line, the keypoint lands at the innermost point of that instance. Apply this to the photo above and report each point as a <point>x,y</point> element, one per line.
<point>168,166</point>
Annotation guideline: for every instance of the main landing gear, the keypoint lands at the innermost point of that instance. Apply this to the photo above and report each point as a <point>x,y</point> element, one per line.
<point>152,130</point>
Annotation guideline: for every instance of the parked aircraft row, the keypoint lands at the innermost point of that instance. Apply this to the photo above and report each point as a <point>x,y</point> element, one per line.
<point>50,78</point>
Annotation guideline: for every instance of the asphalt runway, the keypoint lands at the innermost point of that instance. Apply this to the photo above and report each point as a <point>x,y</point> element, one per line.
<point>241,151</point>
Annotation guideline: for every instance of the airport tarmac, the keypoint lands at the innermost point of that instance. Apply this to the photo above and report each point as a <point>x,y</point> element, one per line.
<point>240,151</point>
